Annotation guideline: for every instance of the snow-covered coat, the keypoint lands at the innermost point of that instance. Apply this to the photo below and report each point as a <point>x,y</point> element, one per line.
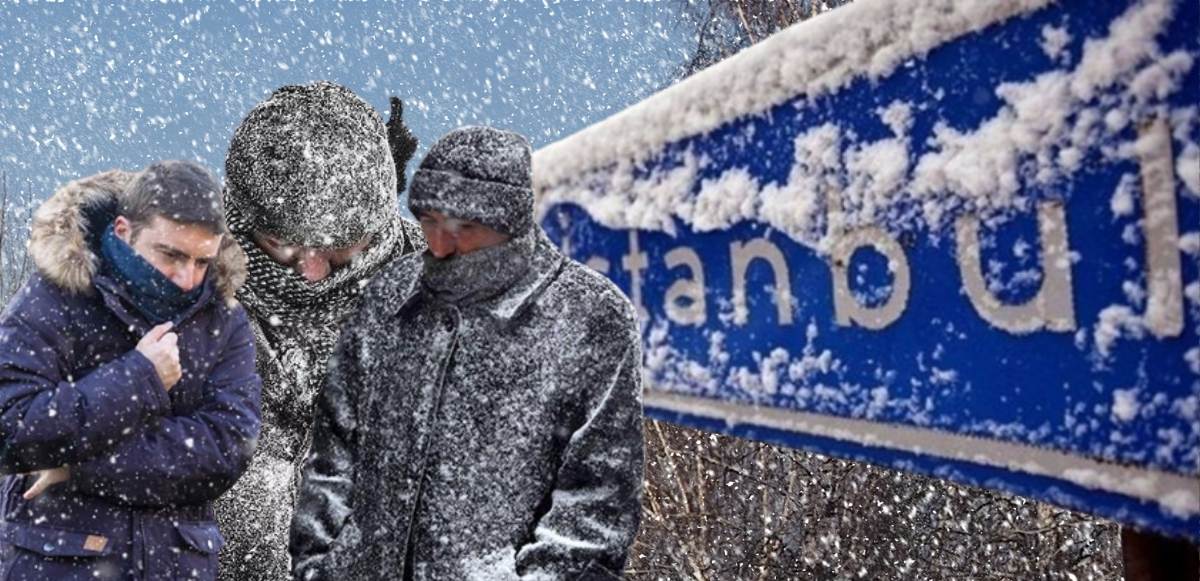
<point>500,440</point>
<point>145,464</point>
<point>325,154</point>
<point>293,351</point>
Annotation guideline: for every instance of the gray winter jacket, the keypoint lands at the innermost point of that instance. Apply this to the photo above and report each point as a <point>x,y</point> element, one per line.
<point>502,440</point>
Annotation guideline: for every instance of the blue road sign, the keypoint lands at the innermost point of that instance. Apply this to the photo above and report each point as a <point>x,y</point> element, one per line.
<point>957,240</point>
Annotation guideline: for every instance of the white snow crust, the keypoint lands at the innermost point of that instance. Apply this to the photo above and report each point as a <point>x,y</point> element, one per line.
<point>815,57</point>
<point>1037,139</point>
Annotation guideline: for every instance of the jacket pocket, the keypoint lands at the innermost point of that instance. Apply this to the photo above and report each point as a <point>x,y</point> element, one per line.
<point>202,541</point>
<point>204,537</point>
<point>53,542</point>
<point>37,552</point>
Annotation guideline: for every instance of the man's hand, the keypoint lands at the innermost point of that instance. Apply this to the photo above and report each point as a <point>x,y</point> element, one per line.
<point>160,347</point>
<point>46,479</point>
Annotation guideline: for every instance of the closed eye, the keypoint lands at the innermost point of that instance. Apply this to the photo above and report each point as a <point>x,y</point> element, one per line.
<point>175,256</point>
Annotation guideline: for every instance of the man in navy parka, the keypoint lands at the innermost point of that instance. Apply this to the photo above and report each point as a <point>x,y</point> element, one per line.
<point>128,394</point>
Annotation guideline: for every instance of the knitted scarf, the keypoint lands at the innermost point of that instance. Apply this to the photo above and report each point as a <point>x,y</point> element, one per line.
<point>470,278</point>
<point>277,294</point>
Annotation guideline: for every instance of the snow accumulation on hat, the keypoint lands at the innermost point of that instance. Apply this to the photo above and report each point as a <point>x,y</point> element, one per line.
<point>478,173</point>
<point>312,166</point>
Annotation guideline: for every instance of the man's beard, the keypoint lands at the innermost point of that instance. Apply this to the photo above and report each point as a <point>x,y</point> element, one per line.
<point>464,279</point>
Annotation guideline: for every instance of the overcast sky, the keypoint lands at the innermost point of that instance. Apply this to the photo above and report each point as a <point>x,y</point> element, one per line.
<point>87,87</point>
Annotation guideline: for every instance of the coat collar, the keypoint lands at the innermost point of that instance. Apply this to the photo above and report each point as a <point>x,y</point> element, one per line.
<point>543,269</point>
<point>67,226</point>
<point>404,279</point>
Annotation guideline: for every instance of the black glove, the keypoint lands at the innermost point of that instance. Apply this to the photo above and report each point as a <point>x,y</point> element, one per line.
<point>402,142</point>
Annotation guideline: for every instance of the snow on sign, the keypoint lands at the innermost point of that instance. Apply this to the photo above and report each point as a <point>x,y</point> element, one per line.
<point>957,238</point>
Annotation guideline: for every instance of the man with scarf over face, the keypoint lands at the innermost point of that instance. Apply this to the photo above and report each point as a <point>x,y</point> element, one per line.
<point>128,395</point>
<point>482,415</point>
<point>311,186</point>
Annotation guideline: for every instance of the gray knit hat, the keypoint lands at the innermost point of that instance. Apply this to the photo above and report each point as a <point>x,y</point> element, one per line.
<point>311,165</point>
<point>480,174</point>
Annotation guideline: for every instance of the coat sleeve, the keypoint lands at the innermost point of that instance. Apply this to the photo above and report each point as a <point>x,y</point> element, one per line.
<point>324,509</point>
<point>49,418</point>
<point>595,507</point>
<point>189,458</point>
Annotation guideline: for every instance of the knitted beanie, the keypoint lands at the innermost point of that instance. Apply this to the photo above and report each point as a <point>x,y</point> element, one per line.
<point>480,174</point>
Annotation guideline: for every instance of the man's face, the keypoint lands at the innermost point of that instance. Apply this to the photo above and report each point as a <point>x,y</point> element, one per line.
<point>181,252</point>
<point>448,236</point>
<point>314,264</point>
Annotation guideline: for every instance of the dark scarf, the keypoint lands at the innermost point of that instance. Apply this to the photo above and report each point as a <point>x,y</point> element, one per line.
<point>150,292</point>
<point>480,275</point>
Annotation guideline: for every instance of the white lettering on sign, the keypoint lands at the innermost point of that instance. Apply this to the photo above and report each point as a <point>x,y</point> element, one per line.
<point>847,310</point>
<point>1052,307</point>
<point>635,262</point>
<point>689,291</point>
<point>741,255</point>
<point>1164,305</point>
<point>599,264</point>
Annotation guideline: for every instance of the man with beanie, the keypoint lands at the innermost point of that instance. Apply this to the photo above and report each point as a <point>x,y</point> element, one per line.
<point>128,395</point>
<point>482,415</point>
<point>311,196</point>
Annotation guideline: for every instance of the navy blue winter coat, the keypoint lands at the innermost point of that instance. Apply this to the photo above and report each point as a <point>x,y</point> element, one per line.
<point>145,463</point>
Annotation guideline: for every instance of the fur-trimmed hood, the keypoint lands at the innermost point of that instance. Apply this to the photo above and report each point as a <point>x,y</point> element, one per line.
<point>60,237</point>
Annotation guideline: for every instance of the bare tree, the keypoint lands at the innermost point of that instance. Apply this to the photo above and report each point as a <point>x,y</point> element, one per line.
<point>15,217</point>
<point>724,27</point>
<point>724,508</point>
<point>3,232</point>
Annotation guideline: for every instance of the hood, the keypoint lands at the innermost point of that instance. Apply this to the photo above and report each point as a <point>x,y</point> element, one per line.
<point>64,237</point>
<point>312,165</point>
